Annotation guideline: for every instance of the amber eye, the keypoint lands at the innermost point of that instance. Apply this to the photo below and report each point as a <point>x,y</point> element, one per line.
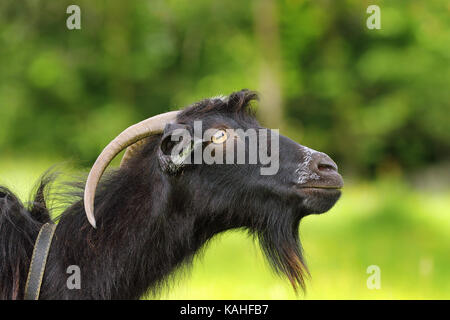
<point>219,137</point>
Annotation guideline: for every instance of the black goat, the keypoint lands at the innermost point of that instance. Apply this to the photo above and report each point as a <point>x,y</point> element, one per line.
<point>153,214</point>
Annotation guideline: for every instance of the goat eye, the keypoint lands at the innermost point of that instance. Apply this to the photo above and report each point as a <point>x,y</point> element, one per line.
<point>219,137</point>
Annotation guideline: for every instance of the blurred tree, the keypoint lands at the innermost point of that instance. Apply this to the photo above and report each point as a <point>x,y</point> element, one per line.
<point>371,98</point>
<point>266,30</point>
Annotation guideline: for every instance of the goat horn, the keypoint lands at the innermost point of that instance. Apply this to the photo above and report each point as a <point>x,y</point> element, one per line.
<point>130,136</point>
<point>131,151</point>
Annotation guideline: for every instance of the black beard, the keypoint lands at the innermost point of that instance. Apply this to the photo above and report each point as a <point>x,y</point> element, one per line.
<point>281,245</point>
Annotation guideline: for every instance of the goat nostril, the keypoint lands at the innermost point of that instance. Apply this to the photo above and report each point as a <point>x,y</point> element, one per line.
<point>323,164</point>
<point>326,167</point>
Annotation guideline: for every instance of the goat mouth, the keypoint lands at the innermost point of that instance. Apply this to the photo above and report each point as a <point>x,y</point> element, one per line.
<point>319,191</point>
<point>318,199</point>
<point>322,187</point>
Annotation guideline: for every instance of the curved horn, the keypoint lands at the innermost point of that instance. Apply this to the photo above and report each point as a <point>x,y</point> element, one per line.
<point>131,151</point>
<point>128,137</point>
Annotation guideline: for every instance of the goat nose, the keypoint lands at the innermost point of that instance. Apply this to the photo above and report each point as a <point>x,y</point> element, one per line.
<point>323,164</point>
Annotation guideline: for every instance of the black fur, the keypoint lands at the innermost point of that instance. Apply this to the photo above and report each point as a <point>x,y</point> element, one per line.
<point>150,222</point>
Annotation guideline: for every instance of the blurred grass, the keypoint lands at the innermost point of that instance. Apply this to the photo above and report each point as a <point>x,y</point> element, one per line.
<point>386,223</point>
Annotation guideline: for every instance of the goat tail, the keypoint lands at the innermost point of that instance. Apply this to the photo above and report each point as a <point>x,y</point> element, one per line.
<point>19,227</point>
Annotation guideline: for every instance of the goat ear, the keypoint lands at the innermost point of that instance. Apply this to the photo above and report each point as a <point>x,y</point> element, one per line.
<point>175,147</point>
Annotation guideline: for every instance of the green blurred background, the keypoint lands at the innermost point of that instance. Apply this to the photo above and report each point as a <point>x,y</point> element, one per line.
<point>376,101</point>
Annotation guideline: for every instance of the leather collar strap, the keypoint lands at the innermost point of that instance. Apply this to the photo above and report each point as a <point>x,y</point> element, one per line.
<point>38,261</point>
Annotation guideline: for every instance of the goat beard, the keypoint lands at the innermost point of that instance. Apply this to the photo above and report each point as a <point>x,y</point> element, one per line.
<point>281,245</point>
